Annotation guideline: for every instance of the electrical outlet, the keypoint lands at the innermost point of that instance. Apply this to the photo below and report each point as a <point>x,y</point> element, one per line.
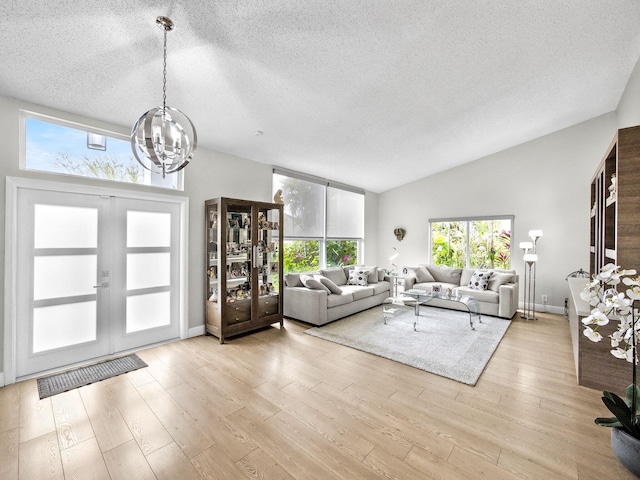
<point>545,298</point>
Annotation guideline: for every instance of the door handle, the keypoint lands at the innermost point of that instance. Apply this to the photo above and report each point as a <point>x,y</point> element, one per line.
<point>104,285</point>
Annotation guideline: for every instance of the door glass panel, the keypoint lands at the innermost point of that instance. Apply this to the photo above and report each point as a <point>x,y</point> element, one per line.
<point>64,276</point>
<point>63,325</point>
<point>239,253</point>
<point>268,262</point>
<point>148,311</point>
<point>65,227</point>
<point>148,229</point>
<point>146,270</point>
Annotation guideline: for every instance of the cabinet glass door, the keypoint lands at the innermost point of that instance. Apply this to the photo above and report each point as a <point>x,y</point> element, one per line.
<point>213,275</point>
<point>238,268</point>
<point>268,264</point>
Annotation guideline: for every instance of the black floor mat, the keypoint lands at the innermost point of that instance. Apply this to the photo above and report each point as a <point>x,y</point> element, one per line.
<point>63,382</point>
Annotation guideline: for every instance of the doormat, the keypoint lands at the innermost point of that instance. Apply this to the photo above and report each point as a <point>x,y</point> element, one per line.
<point>79,377</point>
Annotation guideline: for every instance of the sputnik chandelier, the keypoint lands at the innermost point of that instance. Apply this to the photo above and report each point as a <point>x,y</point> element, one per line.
<point>163,140</point>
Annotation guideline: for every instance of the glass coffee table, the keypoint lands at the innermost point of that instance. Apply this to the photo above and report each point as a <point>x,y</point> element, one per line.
<point>423,297</point>
<point>394,306</point>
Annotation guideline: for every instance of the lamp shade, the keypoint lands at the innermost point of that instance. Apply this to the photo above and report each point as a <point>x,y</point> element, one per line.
<point>526,245</point>
<point>530,258</point>
<point>535,234</point>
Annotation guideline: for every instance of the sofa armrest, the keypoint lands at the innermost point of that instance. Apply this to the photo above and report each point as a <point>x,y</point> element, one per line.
<point>305,304</point>
<point>409,281</point>
<point>508,299</point>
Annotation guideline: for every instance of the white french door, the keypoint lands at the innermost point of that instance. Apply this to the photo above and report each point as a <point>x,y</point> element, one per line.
<point>96,275</point>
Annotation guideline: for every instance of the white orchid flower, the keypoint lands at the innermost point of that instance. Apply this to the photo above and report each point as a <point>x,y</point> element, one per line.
<point>623,354</point>
<point>634,292</point>
<point>596,317</point>
<point>592,334</point>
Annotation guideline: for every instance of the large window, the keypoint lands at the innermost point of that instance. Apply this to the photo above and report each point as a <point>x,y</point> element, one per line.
<point>58,146</point>
<point>323,222</point>
<point>472,242</point>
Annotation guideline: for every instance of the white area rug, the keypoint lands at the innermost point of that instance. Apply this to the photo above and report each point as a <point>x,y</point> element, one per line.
<point>444,343</point>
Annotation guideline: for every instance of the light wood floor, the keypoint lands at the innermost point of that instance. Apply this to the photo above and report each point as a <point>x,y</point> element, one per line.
<point>279,404</point>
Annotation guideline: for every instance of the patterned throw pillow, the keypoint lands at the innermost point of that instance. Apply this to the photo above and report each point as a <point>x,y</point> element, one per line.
<point>358,277</point>
<point>480,280</point>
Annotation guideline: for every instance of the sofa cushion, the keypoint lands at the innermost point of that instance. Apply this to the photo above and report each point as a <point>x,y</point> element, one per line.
<point>342,299</point>
<point>381,287</point>
<point>445,274</point>
<point>480,280</point>
<point>336,275</point>
<point>333,288</point>
<point>358,292</point>
<point>487,296</point>
<point>500,278</point>
<point>359,277</point>
<point>293,280</point>
<point>313,283</point>
<point>421,274</point>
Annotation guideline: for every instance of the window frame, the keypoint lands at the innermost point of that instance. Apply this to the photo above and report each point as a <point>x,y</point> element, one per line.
<point>468,221</point>
<point>60,121</point>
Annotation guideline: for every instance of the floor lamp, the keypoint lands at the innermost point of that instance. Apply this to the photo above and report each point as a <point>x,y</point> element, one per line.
<point>525,246</point>
<point>535,235</point>
<point>530,302</point>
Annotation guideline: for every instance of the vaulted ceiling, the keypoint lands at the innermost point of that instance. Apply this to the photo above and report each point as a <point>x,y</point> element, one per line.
<point>370,93</point>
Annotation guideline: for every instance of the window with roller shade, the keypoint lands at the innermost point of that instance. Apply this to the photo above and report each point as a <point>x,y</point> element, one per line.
<point>324,222</point>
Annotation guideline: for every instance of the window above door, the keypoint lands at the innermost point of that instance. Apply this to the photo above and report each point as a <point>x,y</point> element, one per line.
<point>62,147</point>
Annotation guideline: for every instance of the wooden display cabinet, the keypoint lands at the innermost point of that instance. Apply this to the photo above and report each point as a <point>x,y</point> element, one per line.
<point>243,266</point>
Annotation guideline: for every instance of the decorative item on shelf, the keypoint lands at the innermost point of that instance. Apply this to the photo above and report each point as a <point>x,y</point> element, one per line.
<point>622,307</point>
<point>277,198</point>
<point>399,233</point>
<point>436,288</point>
<point>613,188</point>
<point>163,139</point>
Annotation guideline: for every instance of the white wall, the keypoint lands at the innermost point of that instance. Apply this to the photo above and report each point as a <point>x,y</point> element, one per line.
<point>629,107</point>
<point>544,183</point>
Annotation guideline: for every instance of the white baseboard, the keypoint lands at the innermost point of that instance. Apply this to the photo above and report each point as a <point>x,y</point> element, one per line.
<point>546,309</point>
<point>196,331</point>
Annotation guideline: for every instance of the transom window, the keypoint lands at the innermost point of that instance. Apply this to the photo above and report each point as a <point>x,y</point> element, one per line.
<point>323,222</point>
<point>482,242</point>
<point>58,146</point>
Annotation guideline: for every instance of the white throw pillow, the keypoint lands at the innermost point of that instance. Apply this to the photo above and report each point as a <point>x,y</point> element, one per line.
<point>480,280</point>
<point>358,277</point>
<point>498,279</point>
<point>422,274</point>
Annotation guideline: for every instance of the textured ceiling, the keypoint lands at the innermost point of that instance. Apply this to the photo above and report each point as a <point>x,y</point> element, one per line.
<point>370,93</point>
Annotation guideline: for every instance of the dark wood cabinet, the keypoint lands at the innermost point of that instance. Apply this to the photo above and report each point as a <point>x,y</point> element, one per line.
<point>243,267</point>
<point>615,204</point>
<point>615,238</point>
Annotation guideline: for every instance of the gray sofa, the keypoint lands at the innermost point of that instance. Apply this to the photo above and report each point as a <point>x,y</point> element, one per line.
<point>323,296</point>
<point>497,292</point>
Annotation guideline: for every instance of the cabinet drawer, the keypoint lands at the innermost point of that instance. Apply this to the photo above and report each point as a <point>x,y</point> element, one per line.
<point>268,305</point>
<point>238,311</point>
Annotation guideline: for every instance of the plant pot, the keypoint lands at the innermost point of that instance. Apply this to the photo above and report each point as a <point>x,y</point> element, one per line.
<point>627,449</point>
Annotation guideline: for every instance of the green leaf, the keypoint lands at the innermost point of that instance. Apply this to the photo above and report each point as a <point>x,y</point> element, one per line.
<point>619,408</point>
<point>608,422</point>
<point>630,391</point>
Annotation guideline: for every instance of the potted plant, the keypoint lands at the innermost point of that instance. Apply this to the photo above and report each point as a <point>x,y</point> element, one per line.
<point>608,304</point>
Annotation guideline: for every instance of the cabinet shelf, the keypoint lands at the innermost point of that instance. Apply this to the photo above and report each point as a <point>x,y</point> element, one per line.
<point>611,200</point>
